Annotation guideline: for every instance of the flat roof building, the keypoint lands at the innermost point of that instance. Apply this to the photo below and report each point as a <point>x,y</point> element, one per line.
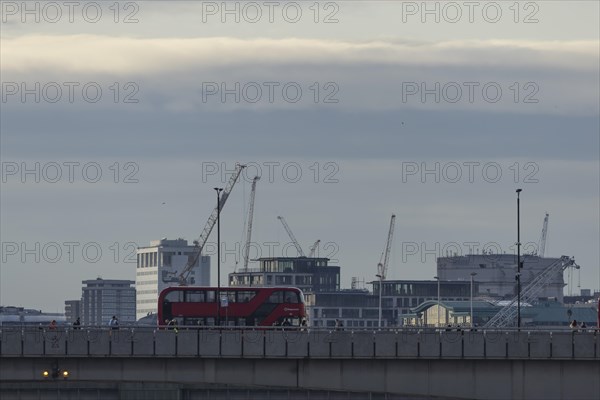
<point>402,295</point>
<point>306,273</point>
<point>355,308</point>
<point>103,298</point>
<point>72,310</point>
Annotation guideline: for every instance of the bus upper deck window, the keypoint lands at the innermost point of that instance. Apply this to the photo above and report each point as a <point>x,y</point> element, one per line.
<point>195,297</point>
<point>291,297</point>
<point>174,296</point>
<point>210,296</point>
<point>276,297</point>
<point>245,296</point>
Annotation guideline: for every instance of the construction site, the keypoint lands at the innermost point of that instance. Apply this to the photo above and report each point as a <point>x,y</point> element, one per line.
<point>489,290</point>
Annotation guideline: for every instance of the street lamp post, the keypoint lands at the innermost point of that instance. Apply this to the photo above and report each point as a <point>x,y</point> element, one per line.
<point>438,299</point>
<point>218,190</point>
<point>380,291</point>
<point>472,275</point>
<point>519,258</point>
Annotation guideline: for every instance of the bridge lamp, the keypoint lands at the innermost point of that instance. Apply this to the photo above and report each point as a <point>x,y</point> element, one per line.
<point>380,276</point>
<point>472,275</point>
<point>55,373</point>
<point>438,299</point>
<point>218,190</point>
<point>519,257</point>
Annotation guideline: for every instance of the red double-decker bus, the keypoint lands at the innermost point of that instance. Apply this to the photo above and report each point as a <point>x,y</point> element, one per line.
<point>239,306</point>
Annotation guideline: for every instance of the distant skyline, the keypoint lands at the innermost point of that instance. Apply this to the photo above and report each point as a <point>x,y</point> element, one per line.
<point>437,122</point>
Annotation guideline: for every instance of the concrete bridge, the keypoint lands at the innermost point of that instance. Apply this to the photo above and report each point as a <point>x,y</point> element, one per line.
<point>391,364</point>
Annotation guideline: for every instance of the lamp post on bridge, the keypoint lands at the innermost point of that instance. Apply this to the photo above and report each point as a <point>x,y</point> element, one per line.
<point>519,258</point>
<point>438,299</point>
<point>472,275</point>
<point>218,190</point>
<point>380,292</point>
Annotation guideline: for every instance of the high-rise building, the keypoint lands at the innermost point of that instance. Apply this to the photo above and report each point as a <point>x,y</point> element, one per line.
<point>159,266</point>
<point>72,310</point>
<point>103,298</point>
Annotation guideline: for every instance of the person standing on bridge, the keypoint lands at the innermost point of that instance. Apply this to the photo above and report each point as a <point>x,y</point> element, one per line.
<point>114,322</point>
<point>303,325</point>
<point>573,324</point>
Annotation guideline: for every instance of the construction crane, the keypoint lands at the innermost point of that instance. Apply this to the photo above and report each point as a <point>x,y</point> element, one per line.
<point>182,278</point>
<point>313,248</point>
<point>543,236</point>
<point>507,315</point>
<point>250,217</point>
<point>292,237</point>
<point>385,256</point>
<point>383,263</point>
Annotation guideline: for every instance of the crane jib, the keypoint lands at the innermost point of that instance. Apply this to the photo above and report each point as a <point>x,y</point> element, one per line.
<point>183,276</point>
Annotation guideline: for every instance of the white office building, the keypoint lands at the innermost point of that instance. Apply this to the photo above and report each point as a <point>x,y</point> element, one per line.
<point>159,266</point>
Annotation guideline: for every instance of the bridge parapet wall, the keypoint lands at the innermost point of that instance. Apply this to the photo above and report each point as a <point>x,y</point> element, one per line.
<point>311,343</point>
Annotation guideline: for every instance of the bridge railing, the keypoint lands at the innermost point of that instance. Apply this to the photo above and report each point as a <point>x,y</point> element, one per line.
<point>218,342</point>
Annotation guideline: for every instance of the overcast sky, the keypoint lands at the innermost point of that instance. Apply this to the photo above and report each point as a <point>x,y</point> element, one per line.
<point>350,111</point>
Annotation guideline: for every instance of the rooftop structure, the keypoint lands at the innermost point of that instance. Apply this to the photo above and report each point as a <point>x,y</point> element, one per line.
<point>305,273</point>
<point>496,273</point>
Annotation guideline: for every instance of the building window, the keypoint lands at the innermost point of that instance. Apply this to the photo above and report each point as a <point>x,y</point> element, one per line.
<point>330,313</point>
<point>350,313</point>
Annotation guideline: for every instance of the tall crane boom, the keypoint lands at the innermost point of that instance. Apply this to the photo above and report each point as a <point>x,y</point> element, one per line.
<point>313,248</point>
<point>543,236</point>
<point>385,256</point>
<point>250,217</point>
<point>210,224</point>
<point>292,237</point>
